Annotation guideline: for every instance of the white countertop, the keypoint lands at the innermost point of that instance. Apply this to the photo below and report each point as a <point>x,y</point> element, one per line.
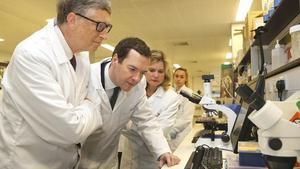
<point>187,147</point>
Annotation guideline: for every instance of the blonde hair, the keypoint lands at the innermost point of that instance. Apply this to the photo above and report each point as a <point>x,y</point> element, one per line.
<point>157,56</point>
<point>186,75</point>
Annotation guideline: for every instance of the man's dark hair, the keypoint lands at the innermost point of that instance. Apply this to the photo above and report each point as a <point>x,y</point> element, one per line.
<point>124,46</point>
<point>64,7</point>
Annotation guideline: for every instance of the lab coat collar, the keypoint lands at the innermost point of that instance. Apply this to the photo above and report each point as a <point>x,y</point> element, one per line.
<point>62,40</point>
<point>58,43</point>
<point>96,75</point>
<point>182,88</point>
<point>108,83</point>
<point>158,93</point>
<point>97,83</point>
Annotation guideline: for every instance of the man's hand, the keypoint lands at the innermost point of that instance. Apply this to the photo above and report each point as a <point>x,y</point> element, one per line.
<point>169,159</point>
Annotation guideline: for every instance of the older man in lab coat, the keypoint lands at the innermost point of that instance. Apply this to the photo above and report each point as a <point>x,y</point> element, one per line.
<point>124,70</point>
<point>44,114</point>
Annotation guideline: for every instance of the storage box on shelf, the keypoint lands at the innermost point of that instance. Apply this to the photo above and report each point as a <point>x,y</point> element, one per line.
<point>253,20</point>
<point>256,59</point>
<point>295,41</point>
<point>285,15</point>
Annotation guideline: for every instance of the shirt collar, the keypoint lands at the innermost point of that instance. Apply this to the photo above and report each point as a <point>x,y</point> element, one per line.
<point>108,83</point>
<point>63,42</point>
<point>160,91</point>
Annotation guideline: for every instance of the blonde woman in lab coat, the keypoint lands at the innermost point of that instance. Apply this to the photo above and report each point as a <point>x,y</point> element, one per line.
<point>184,118</point>
<point>164,103</point>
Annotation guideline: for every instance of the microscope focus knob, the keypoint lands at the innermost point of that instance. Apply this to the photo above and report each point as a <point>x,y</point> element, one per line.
<point>225,137</point>
<point>275,144</point>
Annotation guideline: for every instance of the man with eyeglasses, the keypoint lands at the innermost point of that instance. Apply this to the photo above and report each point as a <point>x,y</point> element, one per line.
<point>44,115</point>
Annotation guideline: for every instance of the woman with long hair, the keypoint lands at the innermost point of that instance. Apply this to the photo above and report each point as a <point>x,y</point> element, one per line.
<point>184,117</point>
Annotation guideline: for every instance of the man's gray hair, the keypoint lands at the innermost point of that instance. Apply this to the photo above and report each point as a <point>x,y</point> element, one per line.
<point>64,7</point>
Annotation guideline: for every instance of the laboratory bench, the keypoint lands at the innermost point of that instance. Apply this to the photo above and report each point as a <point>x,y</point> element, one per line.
<point>230,160</point>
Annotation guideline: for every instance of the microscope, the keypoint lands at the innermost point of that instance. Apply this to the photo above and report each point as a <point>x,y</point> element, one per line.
<point>210,106</point>
<point>207,85</point>
<point>279,131</point>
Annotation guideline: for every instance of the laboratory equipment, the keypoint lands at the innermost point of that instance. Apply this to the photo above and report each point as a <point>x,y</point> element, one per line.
<point>210,105</point>
<point>278,135</point>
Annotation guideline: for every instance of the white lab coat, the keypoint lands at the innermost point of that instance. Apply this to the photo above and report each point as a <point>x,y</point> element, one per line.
<point>136,155</point>
<point>1,94</point>
<point>43,115</point>
<point>184,119</point>
<point>101,148</point>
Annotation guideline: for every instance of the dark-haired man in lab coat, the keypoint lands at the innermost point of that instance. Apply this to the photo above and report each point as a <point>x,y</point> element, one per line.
<point>124,70</point>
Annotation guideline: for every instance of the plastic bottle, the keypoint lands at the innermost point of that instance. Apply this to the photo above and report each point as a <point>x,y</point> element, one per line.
<point>295,41</point>
<point>279,58</point>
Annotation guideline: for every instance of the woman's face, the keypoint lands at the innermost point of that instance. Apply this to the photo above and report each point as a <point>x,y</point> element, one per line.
<point>180,78</point>
<point>155,75</point>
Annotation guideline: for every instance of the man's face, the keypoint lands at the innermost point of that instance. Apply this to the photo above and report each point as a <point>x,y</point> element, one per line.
<point>179,78</point>
<point>130,72</point>
<point>87,38</point>
<point>156,74</point>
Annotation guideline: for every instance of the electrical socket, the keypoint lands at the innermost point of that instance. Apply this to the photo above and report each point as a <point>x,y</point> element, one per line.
<point>291,79</point>
<point>284,78</point>
<point>292,84</point>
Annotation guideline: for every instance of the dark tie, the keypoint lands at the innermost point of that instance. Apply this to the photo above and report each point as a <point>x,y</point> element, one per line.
<point>73,62</point>
<point>114,97</point>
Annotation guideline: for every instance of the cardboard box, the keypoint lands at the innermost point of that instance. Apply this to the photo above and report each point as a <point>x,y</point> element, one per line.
<point>249,23</point>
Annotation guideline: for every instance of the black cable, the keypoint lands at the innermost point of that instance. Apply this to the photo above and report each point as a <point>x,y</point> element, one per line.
<point>258,35</point>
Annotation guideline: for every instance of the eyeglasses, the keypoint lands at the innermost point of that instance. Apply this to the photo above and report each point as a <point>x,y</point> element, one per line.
<point>101,26</point>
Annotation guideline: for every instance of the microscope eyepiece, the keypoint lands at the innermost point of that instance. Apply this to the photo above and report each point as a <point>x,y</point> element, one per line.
<point>194,98</point>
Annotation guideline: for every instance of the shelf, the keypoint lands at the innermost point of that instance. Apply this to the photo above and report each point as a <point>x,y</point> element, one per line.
<point>284,68</point>
<point>278,24</point>
<point>245,58</point>
<point>283,15</point>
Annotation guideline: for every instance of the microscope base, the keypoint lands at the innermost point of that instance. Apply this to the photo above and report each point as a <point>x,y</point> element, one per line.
<point>274,162</point>
<point>216,143</point>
